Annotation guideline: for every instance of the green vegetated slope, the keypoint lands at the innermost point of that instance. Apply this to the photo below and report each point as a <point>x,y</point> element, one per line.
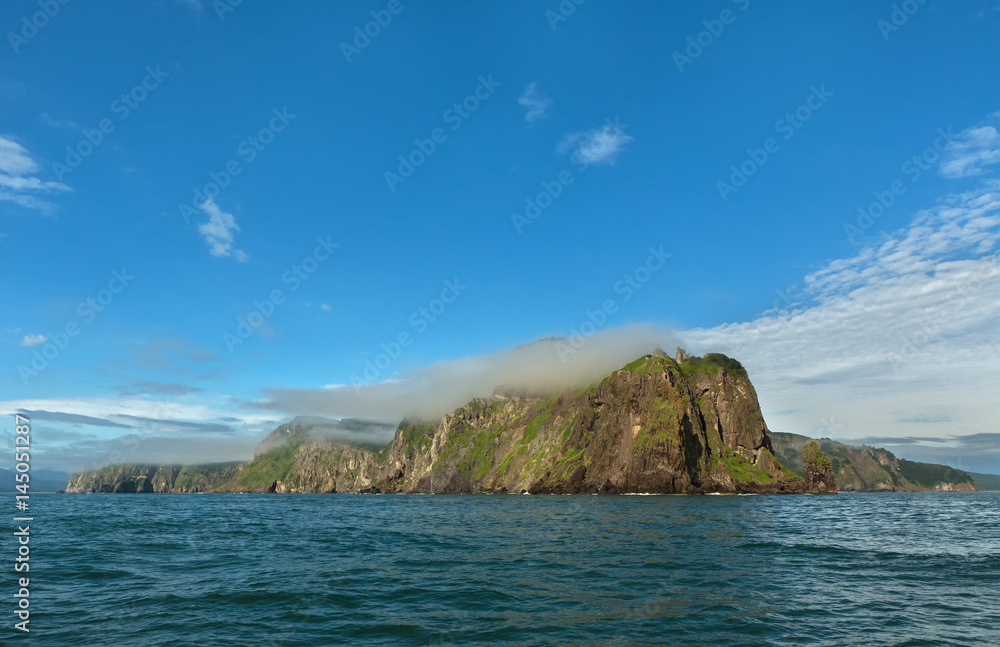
<point>986,482</point>
<point>869,469</point>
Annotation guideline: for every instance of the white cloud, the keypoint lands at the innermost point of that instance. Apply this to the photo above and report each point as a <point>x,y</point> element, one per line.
<point>219,232</point>
<point>599,146</point>
<point>973,150</point>
<point>18,183</point>
<point>324,307</point>
<point>537,105</point>
<point>33,340</point>
<point>900,340</point>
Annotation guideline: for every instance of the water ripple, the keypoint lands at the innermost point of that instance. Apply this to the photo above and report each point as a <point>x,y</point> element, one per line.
<point>886,569</point>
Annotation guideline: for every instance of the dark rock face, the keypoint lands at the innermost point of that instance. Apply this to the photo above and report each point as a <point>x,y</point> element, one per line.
<point>657,425</point>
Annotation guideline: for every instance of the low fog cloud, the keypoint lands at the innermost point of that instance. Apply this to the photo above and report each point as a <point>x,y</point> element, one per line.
<point>373,433</point>
<point>430,392</point>
<point>85,453</point>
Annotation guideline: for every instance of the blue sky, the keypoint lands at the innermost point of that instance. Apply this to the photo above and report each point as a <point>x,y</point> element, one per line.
<point>609,105</point>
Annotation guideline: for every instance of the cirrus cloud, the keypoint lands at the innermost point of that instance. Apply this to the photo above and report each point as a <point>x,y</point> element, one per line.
<point>18,181</point>
<point>973,150</point>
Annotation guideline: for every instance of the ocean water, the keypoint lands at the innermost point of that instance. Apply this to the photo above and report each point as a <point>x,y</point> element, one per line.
<point>247,570</point>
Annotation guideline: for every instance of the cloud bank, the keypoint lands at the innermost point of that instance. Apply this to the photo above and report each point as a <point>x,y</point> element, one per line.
<point>440,388</point>
<point>87,433</point>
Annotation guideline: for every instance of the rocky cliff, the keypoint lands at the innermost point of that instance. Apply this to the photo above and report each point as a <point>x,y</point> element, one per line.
<point>124,479</point>
<point>656,425</point>
<point>869,469</point>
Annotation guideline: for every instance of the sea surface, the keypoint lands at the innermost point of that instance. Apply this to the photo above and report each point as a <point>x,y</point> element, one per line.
<point>247,570</point>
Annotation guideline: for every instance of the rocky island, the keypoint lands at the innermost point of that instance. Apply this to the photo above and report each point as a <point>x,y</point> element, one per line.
<point>658,425</point>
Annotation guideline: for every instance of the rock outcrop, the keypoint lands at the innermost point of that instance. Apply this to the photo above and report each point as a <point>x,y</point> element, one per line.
<point>817,470</point>
<point>657,425</point>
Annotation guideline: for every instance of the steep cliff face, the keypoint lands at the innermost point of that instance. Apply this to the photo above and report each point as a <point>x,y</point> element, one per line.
<point>868,469</point>
<point>118,479</point>
<point>654,426</point>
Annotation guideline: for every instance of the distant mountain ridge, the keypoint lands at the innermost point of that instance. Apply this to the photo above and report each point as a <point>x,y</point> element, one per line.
<point>39,481</point>
<point>870,469</point>
<point>684,425</point>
